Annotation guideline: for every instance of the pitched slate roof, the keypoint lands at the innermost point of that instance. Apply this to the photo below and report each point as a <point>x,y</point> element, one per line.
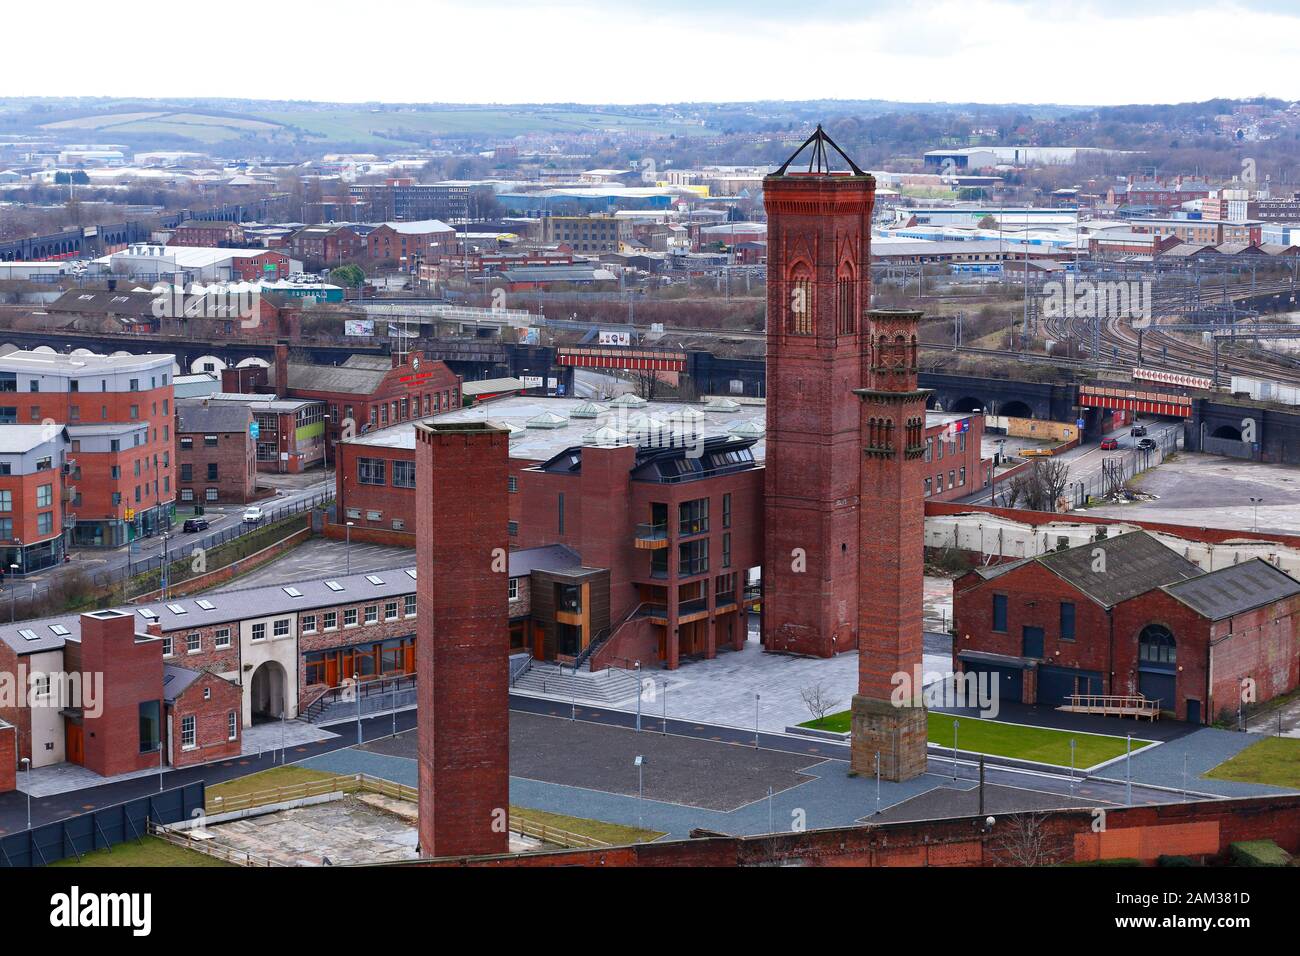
<point>1134,564</point>
<point>1235,589</point>
<point>199,415</point>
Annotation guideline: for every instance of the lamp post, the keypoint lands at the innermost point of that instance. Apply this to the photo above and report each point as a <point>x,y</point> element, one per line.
<point>877,782</point>
<point>955,725</point>
<point>1128,770</point>
<point>664,693</point>
<point>162,571</point>
<point>356,689</point>
<point>757,698</point>
<point>13,592</point>
<point>348,545</point>
<point>637,669</point>
<point>1072,765</point>
<point>640,789</point>
<point>27,774</point>
<point>1254,517</point>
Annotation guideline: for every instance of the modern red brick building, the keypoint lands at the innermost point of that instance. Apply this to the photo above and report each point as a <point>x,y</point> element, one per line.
<point>461,662</point>
<point>1129,616</point>
<point>203,716</point>
<point>216,453</point>
<point>32,499</point>
<point>120,420</point>
<point>8,757</point>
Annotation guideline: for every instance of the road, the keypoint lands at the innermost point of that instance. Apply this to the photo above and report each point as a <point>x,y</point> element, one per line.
<point>111,563</point>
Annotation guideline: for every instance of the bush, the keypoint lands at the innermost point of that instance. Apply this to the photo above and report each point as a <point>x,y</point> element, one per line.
<point>1259,853</point>
<point>1177,861</point>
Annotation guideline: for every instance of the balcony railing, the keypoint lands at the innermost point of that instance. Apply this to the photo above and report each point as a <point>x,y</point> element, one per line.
<point>652,532</point>
<point>693,566</point>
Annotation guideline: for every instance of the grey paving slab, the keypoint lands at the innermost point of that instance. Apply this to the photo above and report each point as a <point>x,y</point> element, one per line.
<point>1201,751</point>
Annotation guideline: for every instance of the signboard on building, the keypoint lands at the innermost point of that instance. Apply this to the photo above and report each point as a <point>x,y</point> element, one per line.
<point>359,327</point>
<point>615,338</point>
<point>532,381</point>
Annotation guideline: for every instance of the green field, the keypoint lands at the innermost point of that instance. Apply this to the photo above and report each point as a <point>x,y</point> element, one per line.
<point>358,126</point>
<point>1007,740</point>
<point>614,834</point>
<point>1273,760</point>
<point>150,851</point>
<point>287,776</point>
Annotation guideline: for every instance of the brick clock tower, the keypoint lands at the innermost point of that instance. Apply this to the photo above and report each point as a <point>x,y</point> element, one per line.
<point>462,640</point>
<point>843,499</point>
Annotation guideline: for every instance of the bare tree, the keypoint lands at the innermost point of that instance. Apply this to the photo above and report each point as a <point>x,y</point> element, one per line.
<point>818,700</point>
<point>1024,839</point>
<point>1039,488</point>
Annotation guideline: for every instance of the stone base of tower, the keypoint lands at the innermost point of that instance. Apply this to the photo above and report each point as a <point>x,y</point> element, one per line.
<point>898,734</point>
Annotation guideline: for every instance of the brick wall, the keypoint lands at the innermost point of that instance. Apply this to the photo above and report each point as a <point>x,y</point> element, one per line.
<point>1205,829</point>
<point>132,672</point>
<point>8,757</point>
<point>209,700</point>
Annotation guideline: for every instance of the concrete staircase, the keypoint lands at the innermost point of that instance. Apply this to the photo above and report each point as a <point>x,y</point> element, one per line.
<point>607,686</point>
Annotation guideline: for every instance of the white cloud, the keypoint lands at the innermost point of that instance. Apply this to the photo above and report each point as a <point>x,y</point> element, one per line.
<point>1103,51</point>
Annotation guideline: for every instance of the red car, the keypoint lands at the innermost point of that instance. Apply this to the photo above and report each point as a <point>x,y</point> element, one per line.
<point>1109,444</point>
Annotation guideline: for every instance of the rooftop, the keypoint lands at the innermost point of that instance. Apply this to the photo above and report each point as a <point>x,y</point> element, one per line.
<point>1235,589</point>
<point>53,363</point>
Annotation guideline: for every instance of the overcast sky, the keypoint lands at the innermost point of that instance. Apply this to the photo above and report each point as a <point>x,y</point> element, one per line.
<point>495,51</point>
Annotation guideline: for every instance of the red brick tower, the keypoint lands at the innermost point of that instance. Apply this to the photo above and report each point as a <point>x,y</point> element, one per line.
<point>893,535</point>
<point>819,235</point>
<point>462,646</point>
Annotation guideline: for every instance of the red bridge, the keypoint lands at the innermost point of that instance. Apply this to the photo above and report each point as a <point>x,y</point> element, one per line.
<point>1136,400</point>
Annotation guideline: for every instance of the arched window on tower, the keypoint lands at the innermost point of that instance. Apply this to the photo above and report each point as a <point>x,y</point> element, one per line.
<point>846,300</point>
<point>799,316</point>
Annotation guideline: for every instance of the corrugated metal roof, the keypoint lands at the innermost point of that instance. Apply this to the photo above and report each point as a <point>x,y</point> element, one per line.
<point>1128,565</point>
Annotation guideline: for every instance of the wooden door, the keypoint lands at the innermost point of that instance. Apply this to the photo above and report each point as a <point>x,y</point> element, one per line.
<point>75,744</point>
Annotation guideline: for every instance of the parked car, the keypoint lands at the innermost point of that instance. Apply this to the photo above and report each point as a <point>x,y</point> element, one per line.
<point>253,514</point>
<point>1109,444</point>
<point>195,524</point>
<point>1138,431</point>
<point>1147,444</point>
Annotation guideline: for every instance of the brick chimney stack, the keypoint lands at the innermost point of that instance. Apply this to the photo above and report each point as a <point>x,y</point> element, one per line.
<point>281,369</point>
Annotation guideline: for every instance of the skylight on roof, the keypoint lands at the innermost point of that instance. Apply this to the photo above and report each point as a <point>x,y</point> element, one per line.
<point>28,634</point>
<point>411,573</point>
<point>206,604</point>
<point>60,630</point>
<point>176,609</point>
<point>147,614</point>
<point>292,592</point>
<point>334,586</point>
<point>374,579</point>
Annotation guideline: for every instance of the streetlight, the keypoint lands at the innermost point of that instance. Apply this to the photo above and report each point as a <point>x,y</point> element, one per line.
<point>955,725</point>
<point>1128,770</point>
<point>1254,520</point>
<point>636,666</point>
<point>163,570</point>
<point>27,775</point>
<point>757,697</point>
<point>356,689</point>
<point>877,782</point>
<point>1072,765</point>
<point>348,545</point>
<point>13,592</point>
<point>640,788</point>
<point>664,692</point>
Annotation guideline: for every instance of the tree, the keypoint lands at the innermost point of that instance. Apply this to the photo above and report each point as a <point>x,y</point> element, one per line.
<point>818,700</point>
<point>350,275</point>
<point>1024,839</point>
<point>1039,488</point>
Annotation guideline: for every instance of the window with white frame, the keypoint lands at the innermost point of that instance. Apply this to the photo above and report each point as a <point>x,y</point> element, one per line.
<point>514,589</point>
<point>309,623</point>
<point>372,613</point>
<point>350,617</point>
<point>189,732</point>
<point>390,610</point>
<point>221,638</point>
<point>232,725</point>
<point>410,605</point>
<point>282,627</point>
<point>331,620</point>
<point>167,646</point>
<point>259,632</point>
<point>193,643</point>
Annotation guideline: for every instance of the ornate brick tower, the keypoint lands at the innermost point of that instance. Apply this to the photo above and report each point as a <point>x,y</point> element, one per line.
<point>893,535</point>
<point>462,644</point>
<point>819,234</point>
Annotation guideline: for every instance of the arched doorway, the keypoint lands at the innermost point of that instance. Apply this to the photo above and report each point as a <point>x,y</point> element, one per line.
<point>1228,432</point>
<point>268,692</point>
<point>1158,665</point>
<point>1016,409</point>
<point>967,404</point>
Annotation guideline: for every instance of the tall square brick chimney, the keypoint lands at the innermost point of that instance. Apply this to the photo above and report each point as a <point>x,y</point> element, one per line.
<point>462,644</point>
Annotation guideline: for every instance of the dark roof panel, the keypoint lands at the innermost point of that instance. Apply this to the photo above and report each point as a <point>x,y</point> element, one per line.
<point>1235,589</point>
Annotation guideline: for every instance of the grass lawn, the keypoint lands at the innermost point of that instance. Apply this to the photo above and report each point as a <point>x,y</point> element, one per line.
<point>614,833</point>
<point>148,852</point>
<point>1007,740</point>
<point>286,776</point>
<point>1273,760</point>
